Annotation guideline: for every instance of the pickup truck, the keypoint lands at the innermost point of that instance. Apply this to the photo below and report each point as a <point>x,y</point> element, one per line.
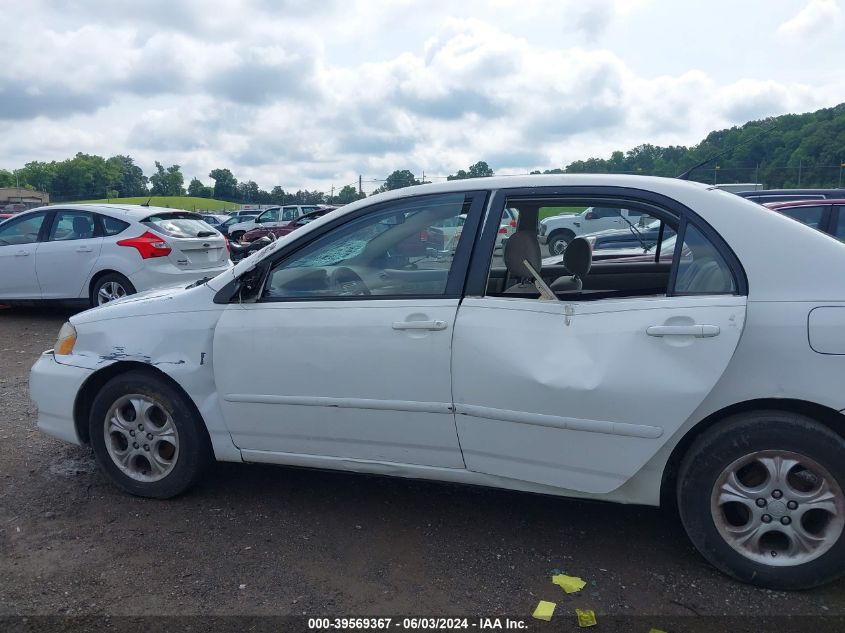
<point>558,230</point>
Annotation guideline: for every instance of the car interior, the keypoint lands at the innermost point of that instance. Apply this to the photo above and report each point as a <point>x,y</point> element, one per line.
<point>401,252</point>
<point>643,270</point>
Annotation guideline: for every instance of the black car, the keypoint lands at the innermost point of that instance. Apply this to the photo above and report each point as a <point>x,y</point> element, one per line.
<point>788,195</point>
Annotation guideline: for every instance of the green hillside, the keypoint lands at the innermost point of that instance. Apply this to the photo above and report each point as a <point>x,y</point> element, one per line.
<point>188,203</point>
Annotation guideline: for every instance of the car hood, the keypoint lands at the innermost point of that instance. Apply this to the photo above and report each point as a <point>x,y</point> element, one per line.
<point>172,299</point>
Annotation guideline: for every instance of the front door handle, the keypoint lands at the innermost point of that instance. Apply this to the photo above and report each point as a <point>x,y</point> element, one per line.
<point>419,325</point>
<point>698,331</point>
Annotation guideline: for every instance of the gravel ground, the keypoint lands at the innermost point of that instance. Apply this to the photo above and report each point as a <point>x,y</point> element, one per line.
<point>258,540</point>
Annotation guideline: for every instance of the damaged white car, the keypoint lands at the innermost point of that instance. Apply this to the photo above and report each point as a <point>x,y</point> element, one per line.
<point>710,379</point>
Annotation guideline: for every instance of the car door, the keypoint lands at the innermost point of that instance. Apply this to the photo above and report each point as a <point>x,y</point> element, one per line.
<point>580,394</point>
<point>19,243</point>
<point>347,351</point>
<point>65,259</point>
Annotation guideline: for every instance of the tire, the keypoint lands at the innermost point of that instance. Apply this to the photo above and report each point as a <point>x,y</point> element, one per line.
<point>110,287</point>
<point>779,461</point>
<point>237,236</point>
<point>156,445</point>
<point>558,242</point>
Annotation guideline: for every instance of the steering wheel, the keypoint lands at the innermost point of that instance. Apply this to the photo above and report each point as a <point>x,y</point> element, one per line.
<point>345,282</point>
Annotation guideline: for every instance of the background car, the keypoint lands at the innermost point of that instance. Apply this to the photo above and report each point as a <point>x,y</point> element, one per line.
<point>94,254</point>
<point>214,219</point>
<point>558,230</point>
<point>224,226</point>
<point>826,215</point>
<point>763,196</point>
<point>272,217</point>
<point>284,229</point>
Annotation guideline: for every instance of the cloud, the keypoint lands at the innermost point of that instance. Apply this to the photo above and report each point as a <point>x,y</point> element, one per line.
<point>21,101</point>
<point>816,17</point>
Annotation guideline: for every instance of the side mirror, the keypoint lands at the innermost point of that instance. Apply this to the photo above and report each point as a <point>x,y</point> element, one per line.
<point>259,220</point>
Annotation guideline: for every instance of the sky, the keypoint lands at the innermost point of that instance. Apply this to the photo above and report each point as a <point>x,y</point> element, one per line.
<point>307,94</point>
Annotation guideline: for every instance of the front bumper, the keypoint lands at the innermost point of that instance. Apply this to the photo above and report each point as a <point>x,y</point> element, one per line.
<point>53,387</point>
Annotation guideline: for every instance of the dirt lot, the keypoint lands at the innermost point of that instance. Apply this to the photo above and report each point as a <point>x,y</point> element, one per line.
<point>257,540</point>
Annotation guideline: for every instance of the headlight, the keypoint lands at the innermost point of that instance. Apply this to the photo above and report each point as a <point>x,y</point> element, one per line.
<point>66,340</point>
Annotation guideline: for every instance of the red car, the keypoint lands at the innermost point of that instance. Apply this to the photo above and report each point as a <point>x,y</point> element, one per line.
<point>828,216</point>
<point>290,227</point>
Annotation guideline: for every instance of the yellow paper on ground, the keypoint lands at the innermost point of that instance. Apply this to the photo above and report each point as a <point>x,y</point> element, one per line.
<point>544,610</point>
<point>586,617</point>
<point>656,631</point>
<point>570,584</point>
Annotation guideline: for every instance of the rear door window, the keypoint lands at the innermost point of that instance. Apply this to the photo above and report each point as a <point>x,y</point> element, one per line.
<point>839,227</point>
<point>72,225</point>
<point>179,225</point>
<point>701,268</point>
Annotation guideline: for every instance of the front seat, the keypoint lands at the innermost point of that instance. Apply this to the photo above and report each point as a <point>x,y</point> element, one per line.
<point>521,246</point>
<point>82,227</point>
<point>578,258</point>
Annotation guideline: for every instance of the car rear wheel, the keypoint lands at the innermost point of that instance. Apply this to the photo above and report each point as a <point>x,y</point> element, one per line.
<point>558,243</point>
<point>761,497</point>
<point>147,437</point>
<point>109,288</point>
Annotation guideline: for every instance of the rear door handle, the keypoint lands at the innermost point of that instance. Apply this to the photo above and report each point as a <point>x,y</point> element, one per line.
<point>419,325</point>
<point>698,331</point>
<point>84,249</point>
<point>22,254</point>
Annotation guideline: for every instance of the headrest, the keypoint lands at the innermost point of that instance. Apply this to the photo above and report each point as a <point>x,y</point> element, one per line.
<point>522,245</point>
<point>578,257</point>
<point>81,225</point>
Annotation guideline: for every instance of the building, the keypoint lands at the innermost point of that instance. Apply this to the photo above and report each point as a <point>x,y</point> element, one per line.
<point>13,199</point>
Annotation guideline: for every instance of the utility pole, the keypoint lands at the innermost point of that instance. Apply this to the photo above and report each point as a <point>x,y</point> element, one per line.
<point>360,189</point>
<point>331,197</point>
<point>841,167</point>
<point>800,164</point>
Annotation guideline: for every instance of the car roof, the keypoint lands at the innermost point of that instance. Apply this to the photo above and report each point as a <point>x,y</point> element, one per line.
<point>134,212</point>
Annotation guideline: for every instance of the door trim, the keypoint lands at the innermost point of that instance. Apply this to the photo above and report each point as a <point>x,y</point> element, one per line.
<point>342,403</point>
<point>560,422</point>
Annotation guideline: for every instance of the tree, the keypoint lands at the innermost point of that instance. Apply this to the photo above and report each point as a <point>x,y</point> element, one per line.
<point>397,180</point>
<point>199,190</point>
<point>7,178</point>
<point>248,191</point>
<point>348,194</point>
<point>225,184</point>
<point>167,182</point>
<point>131,179</point>
<point>478,170</point>
<point>277,195</point>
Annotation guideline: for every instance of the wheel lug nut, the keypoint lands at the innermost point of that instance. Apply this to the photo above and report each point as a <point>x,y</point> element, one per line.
<point>777,494</point>
<point>134,444</point>
<point>785,520</point>
<point>792,505</point>
<point>140,427</point>
<point>766,518</point>
<point>132,433</point>
<point>146,447</point>
<point>149,436</point>
<point>761,503</point>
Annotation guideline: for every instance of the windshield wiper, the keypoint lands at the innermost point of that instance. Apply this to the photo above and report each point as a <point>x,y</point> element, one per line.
<point>635,232</point>
<point>198,282</point>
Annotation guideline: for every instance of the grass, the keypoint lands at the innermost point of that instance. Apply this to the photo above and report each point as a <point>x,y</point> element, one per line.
<point>546,212</point>
<point>187,203</point>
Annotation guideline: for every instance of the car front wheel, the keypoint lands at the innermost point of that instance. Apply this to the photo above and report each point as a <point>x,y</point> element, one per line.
<point>761,496</point>
<point>147,437</point>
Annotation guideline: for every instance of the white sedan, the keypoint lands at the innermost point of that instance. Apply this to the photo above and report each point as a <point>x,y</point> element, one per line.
<point>93,254</point>
<point>710,381</point>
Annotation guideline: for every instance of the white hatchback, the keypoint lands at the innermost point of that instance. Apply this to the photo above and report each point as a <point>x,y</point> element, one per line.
<point>709,380</point>
<point>94,254</point>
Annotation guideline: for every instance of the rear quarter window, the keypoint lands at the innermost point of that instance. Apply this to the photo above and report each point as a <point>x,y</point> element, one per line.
<point>113,226</point>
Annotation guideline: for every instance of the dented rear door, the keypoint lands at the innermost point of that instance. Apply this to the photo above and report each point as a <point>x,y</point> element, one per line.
<point>581,395</point>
